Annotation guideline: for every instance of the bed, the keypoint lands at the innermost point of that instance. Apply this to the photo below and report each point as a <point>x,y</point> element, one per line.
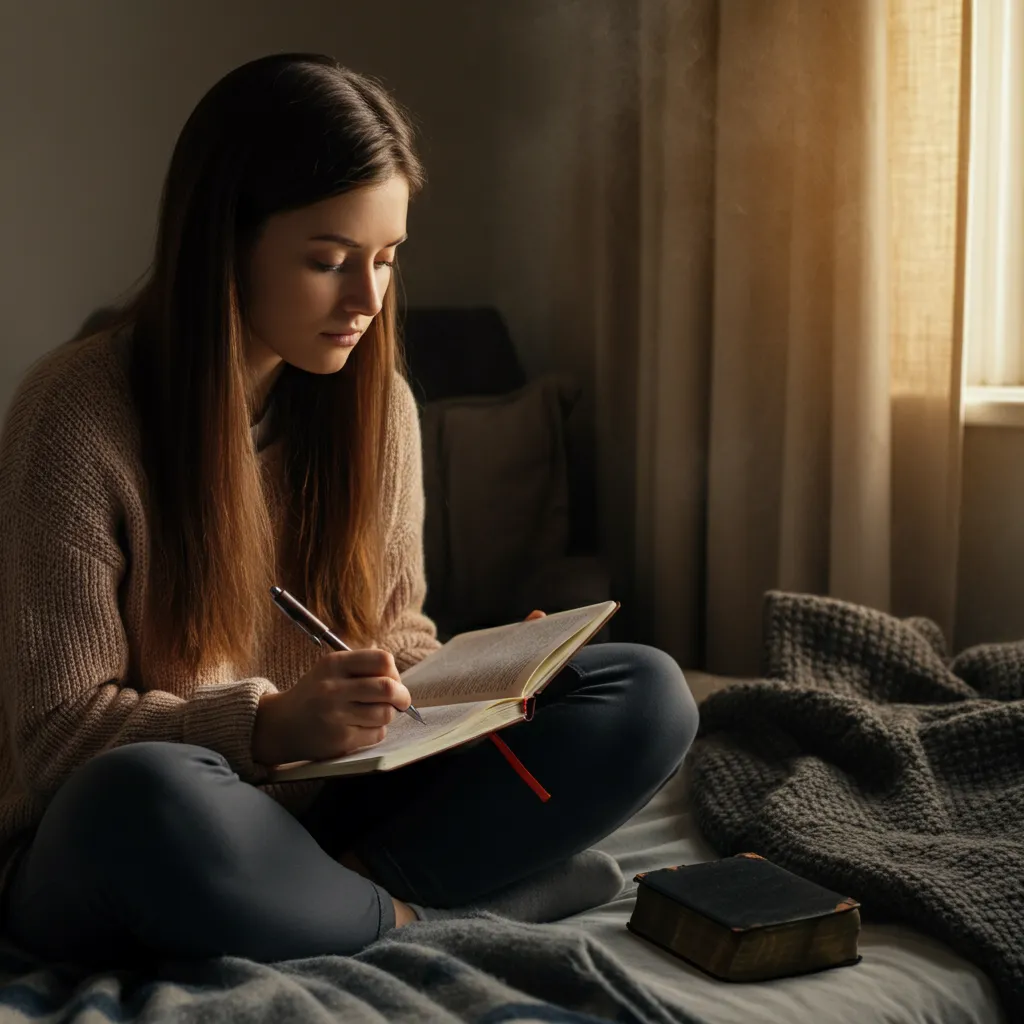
<point>904,977</point>
<point>489,971</point>
<point>587,969</point>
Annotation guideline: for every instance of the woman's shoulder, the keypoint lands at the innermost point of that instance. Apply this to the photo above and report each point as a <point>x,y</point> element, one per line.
<point>401,465</point>
<point>71,428</point>
<point>404,413</point>
<point>78,389</point>
<point>401,390</point>
<point>402,430</point>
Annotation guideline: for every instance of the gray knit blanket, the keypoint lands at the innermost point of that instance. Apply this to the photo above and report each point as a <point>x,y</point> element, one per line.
<point>869,761</point>
<point>483,969</point>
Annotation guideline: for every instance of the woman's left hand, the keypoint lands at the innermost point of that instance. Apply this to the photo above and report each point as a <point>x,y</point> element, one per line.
<point>534,615</point>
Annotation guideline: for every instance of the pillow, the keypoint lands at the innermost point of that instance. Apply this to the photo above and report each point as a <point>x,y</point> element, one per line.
<point>495,478</point>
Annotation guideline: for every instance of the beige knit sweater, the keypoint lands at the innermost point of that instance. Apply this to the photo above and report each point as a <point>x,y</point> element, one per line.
<point>74,534</point>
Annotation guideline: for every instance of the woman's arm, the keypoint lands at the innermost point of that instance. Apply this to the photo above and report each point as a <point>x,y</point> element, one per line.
<point>69,477</point>
<point>65,661</point>
<point>406,632</point>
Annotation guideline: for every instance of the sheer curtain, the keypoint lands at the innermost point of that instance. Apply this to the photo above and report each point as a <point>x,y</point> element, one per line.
<point>797,414</point>
<point>835,396</point>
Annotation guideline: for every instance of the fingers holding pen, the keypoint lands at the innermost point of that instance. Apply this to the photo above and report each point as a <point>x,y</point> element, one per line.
<point>344,703</point>
<point>367,662</point>
<point>371,716</point>
<point>367,689</point>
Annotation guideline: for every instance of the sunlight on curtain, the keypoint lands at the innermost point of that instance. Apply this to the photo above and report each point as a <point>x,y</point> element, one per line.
<point>928,132</point>
<point>784,410</point>
<point>835,427</point>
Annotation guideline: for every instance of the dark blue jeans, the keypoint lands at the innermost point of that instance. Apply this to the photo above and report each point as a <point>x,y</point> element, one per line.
<point>159,849</point>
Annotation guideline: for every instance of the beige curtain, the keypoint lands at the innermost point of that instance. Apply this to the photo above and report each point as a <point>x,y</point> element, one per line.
<point>797,416</point>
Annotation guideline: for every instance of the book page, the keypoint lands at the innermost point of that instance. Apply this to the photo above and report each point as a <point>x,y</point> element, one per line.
<point>406,732</point>
<point>492,663</point>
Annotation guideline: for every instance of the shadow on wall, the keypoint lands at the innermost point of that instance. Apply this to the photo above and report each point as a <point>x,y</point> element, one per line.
<point>990,584</point>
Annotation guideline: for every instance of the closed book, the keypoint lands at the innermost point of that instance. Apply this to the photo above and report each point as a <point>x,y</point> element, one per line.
<point>743,918</point>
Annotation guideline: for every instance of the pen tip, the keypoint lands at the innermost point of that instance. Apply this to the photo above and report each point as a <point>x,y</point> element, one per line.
<point>275,591</point>
<point>415,714</point>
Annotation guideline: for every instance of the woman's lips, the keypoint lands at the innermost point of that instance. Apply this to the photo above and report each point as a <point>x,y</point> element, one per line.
<point>344,340</point>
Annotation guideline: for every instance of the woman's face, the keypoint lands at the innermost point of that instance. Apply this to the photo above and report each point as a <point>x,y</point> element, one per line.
<point>317,277</point>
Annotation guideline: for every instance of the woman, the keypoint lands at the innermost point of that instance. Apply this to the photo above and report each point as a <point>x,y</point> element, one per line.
<point>244,423</point>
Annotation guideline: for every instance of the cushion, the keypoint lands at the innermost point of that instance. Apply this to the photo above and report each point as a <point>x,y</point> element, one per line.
<point>494,473</point>
<point>453,352</point>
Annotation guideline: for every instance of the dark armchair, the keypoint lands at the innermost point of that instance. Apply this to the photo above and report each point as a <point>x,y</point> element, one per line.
<point>506,531</point>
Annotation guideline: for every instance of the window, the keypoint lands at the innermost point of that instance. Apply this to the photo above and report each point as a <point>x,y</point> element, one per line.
<point>994,264</point>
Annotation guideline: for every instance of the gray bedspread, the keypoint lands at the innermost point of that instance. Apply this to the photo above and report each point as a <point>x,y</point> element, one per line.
<point>869,761</point>
<point>483,969</point>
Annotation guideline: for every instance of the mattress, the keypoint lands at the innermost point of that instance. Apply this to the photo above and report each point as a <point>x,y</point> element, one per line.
<point>905,977</point>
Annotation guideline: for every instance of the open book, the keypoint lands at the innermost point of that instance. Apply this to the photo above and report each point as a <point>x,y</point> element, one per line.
<point>477,682</point>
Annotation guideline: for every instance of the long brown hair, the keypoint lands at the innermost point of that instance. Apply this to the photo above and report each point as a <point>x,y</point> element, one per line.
<point>276,134</point>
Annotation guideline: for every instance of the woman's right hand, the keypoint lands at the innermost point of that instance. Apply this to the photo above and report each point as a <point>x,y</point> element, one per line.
<point>344,703</point>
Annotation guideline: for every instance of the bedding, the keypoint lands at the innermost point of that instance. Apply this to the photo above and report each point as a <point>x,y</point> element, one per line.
<point>481,969</point>
<point>588,968</point>
<point>589,965</point>
<point>905,976</point>
<point>869,761</point>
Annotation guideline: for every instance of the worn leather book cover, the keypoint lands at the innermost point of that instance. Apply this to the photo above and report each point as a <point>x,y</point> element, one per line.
<point>743,918</point>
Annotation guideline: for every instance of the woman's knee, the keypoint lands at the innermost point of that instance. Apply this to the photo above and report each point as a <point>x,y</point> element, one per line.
<point>129,836</point>
<point>132,794</point>
<point>660,705</point>
<point>144,769</point>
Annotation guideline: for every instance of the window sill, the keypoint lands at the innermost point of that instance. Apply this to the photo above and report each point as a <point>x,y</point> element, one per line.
<point>994,407</point>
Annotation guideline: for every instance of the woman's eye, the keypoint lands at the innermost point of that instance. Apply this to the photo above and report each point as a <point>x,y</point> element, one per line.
<point>337,268</point>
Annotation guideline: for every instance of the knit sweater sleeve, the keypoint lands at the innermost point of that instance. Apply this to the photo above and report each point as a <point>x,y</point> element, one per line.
<point>407,633</point>
<point>64,673</point>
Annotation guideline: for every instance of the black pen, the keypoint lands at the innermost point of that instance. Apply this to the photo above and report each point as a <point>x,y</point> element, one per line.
<point>319,632</point>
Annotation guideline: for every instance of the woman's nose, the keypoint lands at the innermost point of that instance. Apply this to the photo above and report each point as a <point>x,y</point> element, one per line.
<point>363,294</point>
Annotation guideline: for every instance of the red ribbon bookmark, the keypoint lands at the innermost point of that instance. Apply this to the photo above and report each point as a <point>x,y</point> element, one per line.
<point>520,769</point>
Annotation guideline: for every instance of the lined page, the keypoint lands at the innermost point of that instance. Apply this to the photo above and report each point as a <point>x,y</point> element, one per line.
<point>492,663</point>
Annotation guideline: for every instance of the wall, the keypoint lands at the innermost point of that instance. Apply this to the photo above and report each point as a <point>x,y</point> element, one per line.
<point>95,94</point>
<point>990,598</point>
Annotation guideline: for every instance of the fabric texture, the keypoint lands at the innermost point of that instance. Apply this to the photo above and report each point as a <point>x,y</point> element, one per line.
<point>776,285</point>
<point>905,977</point>
<point>482,970</point>
<point>835,430</point>
<point>868,761</point>
<point>74,541</point>
<point>586,880</point>
<point>496,481</point>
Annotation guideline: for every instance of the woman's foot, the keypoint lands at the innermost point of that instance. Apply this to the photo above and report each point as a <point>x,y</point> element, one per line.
<point>586,880</point>
<point>404,914</point>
